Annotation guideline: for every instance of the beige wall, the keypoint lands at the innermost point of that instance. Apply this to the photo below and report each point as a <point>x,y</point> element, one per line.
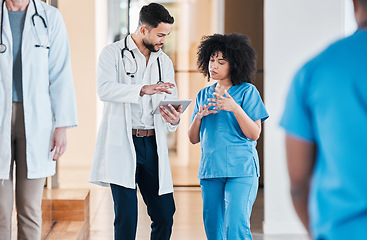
<point>192,23</point>
<point>294,32</point>
<point>79,17</point>
<point>246,17</point>
<point>193,20</point>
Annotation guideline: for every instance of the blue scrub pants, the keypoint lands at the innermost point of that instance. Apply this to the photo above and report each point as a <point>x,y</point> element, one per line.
<point>160,208</point>
<point>227,207</point>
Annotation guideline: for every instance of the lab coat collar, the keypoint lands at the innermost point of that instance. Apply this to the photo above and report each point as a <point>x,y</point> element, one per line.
<point>30,12</point>
<point>27,22</point>
<point>7,36</point>
<point>130,43</point>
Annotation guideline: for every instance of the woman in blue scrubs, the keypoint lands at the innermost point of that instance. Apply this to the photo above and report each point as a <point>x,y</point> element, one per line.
<point>227,122</point>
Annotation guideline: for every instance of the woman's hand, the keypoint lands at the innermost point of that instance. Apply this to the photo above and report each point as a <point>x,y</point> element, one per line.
<point>225,102</point>
<point>204,111</point>
<point>194,129</point>
<point>249,128</point>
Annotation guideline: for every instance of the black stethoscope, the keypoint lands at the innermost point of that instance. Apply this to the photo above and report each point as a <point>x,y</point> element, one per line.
<point>132,74</point>
<point>3,46</point>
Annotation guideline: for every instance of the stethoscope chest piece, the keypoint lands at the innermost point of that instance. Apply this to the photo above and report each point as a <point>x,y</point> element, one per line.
<point>2,48</point>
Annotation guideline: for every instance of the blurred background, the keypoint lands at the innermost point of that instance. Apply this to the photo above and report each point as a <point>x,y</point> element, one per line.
<point>284,33</point>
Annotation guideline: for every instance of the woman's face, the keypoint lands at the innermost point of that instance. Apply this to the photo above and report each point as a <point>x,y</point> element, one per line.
<point>218,67</point>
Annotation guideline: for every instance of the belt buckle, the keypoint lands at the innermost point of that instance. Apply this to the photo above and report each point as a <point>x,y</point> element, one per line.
<point>137,133</point>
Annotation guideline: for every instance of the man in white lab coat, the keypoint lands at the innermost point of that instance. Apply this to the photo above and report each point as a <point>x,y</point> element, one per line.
<point>134,75</point>
<point>37,104</point>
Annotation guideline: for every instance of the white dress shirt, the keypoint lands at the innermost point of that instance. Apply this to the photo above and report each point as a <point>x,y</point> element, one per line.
<point>141,112</point>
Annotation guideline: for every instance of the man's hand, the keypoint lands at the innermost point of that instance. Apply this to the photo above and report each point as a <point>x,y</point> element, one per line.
<point>158,88</point>
<point>58,142</point>
<point>172,117</point>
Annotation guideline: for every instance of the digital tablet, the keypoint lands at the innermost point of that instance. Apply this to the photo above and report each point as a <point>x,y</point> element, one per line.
<point>175,103</point>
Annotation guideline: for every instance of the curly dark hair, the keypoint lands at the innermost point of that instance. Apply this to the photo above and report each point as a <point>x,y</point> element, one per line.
<point>236,49</point>
<point>153,14</point>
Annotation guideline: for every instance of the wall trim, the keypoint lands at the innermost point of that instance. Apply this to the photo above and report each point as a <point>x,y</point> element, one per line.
<point>284,228</point>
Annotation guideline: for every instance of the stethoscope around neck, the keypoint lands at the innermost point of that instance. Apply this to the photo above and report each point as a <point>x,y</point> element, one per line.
<point>132,74</point>
<point>3,46</point>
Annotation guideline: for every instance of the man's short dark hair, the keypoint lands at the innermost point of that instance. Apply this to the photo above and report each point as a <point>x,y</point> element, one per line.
<point>154,14</point>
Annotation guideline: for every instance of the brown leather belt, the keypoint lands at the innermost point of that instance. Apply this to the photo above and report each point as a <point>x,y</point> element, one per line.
<point>143,132</point>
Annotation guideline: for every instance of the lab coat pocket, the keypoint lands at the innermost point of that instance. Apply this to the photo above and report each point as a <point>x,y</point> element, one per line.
<point>40,60</point>
<point>44,110</point>
<point>240,160</point>
<point>115,130</point>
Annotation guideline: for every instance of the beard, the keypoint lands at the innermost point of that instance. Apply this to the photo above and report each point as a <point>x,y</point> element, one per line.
<point>150,46</point>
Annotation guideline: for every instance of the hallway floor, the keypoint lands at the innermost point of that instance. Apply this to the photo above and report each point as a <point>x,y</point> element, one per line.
<point>188,223</point>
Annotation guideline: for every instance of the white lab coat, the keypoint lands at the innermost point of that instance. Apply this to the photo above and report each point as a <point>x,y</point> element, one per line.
<point>115,157</point>
<point>48,91</point>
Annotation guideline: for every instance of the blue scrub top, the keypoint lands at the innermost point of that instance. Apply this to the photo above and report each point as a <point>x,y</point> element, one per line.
<point>327,105</point>
<point>225,150</point>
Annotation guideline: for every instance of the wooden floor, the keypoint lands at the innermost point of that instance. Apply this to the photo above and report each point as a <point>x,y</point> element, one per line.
<point>188,222</point>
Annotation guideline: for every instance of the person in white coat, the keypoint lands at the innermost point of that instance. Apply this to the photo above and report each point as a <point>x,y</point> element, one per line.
<point>134,75</point>
<point>37,104</point>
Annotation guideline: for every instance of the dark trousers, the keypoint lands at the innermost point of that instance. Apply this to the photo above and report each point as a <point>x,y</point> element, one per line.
<point>160,208</point>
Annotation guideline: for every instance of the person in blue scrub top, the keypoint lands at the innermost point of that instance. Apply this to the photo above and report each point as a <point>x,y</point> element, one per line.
<point>227,122</point>
<point>325,121</point>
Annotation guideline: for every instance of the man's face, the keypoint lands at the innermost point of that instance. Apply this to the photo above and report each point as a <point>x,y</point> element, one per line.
<point>156,37</point>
